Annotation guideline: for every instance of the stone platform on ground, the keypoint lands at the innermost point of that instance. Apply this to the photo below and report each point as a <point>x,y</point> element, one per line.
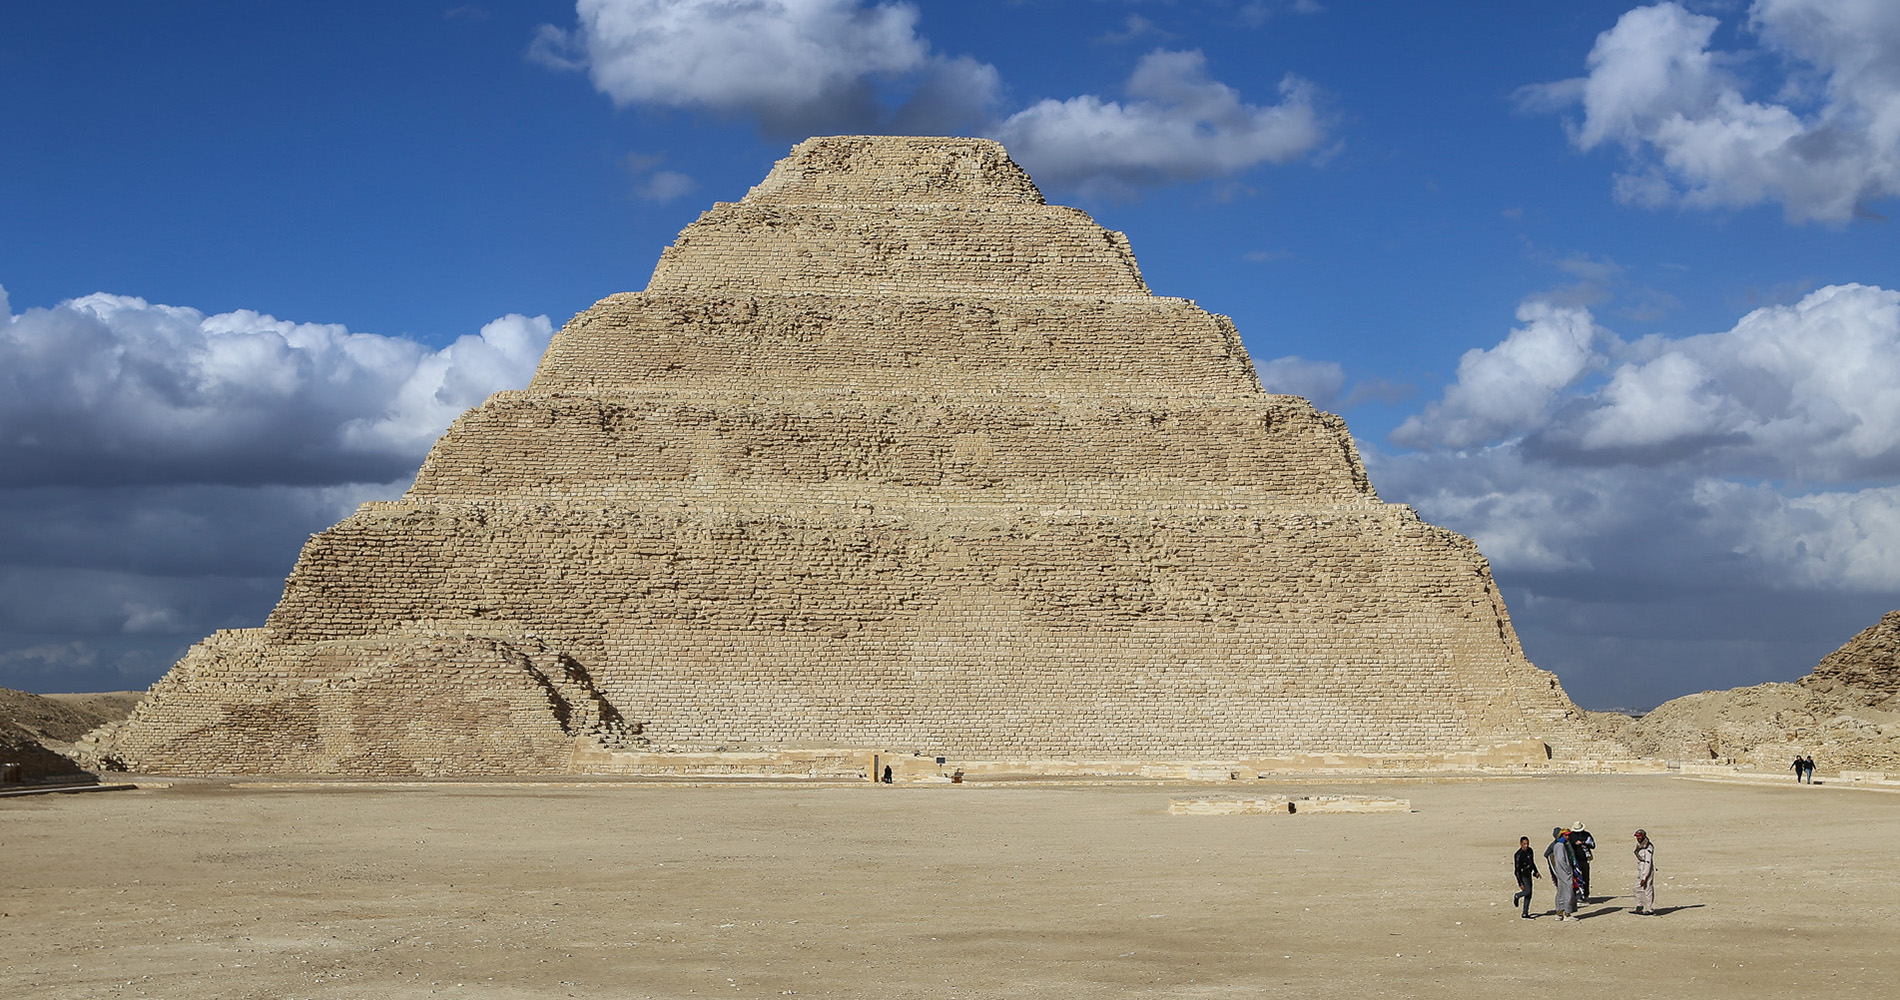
<point>889,456</point>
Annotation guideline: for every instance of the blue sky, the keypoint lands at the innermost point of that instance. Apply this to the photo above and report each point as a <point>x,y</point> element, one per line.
<point>1606,286</point>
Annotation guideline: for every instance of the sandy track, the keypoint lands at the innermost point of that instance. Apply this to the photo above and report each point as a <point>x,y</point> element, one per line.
<point>641,890</point>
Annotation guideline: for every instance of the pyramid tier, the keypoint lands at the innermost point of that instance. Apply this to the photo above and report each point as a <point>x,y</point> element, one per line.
<point>971,347</point>
<point>836,170</point>
<point>912,217</point>
<point>984,629</point>
<point>520,443</point>
<point>736,555</point>
<point>898,249</point>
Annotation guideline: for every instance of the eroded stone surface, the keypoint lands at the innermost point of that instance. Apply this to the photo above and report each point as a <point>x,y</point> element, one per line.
<point>37,732</point>
<point>888,455</point>
<point>1865,667</point>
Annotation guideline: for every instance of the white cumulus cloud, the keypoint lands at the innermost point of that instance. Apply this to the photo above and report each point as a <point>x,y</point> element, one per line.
<point>1809,391</point>
<point>113,389</point>
<point>1847,539</point>
<point>1639,584</point>
<point>1178,124</point>
<point>806,67</point>
<point>160,466</point>
<point>1319,381</point>
<point>1673,527</point>
<point>795,66</point>
<point>1510,389</point>
<point>664,186</point>
<point>1824,145</point>
<point>1667,512</point>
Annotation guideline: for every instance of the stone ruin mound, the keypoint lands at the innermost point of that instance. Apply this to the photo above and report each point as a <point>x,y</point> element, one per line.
<point>889,456</point>
<point>38,732</point>
<point>1866,669</point>
<point>1846,714</point>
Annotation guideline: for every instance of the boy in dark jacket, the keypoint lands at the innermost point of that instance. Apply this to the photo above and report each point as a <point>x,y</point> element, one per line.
<point>1526,865</point>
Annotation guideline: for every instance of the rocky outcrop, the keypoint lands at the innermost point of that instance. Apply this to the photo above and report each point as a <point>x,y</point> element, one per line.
<point>38,733</point>
<point>1866,669</point>
<point>1845,714</point>
<point>422,703</point>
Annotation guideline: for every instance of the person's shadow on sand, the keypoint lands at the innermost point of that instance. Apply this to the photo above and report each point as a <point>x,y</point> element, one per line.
<point>1660,911</point>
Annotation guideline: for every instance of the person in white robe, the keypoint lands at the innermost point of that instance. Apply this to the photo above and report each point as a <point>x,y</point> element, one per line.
<point>1645,874</point>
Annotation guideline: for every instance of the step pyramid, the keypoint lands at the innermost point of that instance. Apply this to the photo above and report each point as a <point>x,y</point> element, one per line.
<point>890,454</point>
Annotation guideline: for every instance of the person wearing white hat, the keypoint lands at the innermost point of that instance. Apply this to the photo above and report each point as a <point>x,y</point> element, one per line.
<point>1581,845</point>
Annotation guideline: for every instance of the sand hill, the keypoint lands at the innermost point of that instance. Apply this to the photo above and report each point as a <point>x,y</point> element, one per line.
<point>1846,713</point>
<point>37,731</point>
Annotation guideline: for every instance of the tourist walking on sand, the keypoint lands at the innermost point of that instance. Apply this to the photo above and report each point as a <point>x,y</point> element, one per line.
<point>1645,874</point>
<point>1800,768</point>
<point>1563,871</point>
<point>1525,864</point>
<point>1581,847</point>
<point>1807,765</point>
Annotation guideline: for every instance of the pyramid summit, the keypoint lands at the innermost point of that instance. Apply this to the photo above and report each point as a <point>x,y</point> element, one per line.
<point>890,457</point>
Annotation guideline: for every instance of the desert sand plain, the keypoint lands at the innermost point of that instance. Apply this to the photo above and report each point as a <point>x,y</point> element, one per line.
<point>610,889</point>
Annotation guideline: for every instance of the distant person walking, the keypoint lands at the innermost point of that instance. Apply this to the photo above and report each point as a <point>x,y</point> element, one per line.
<point>1525,864</point>
<point>1563,873</point>
<point>1807,765</point>
<point>1800,769</point>
<point>1582,846</point>
<point>1645,874</point>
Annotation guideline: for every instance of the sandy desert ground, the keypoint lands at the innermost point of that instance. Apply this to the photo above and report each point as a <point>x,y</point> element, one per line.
<point>641,890</point>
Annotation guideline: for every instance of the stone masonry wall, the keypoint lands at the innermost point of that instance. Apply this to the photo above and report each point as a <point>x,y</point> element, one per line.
<point>518,443</point>
<point>1867,666</point>
<point>966,348</point>
<point>900,250</point>
<point>1113,633</point>
<point>897,170</point>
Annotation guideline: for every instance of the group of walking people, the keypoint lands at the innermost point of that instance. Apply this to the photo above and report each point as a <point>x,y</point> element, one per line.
<point>1568,858</point>
<point>1804,770</point>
